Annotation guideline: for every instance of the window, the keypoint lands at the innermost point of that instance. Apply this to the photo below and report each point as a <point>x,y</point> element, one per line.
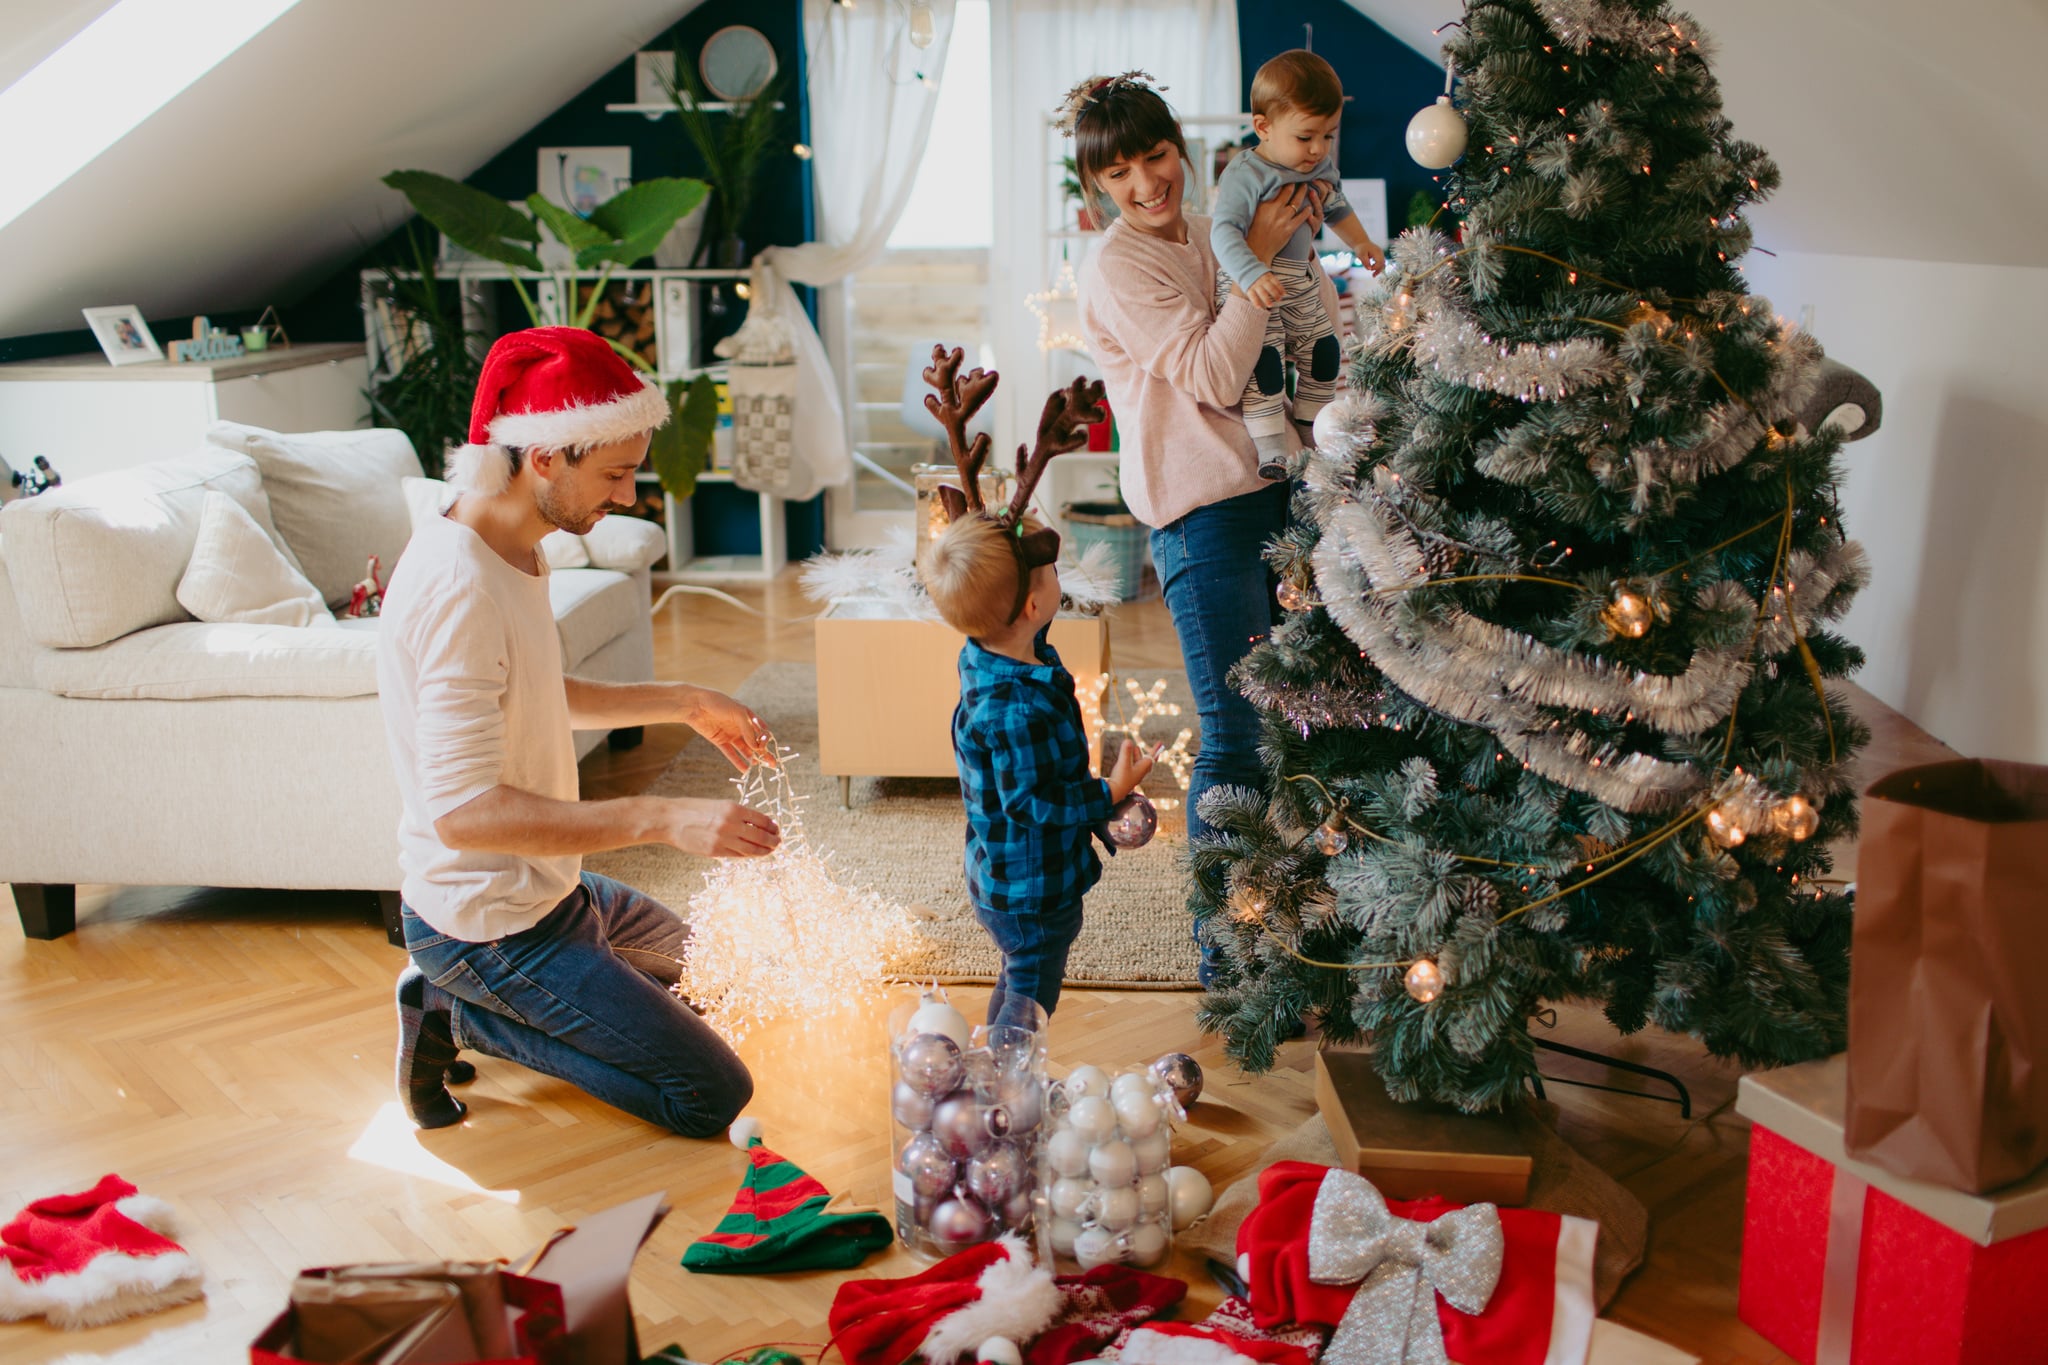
<point>119,69</point>
<point>953,202</point>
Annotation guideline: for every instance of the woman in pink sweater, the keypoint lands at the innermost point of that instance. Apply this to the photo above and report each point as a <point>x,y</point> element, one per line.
<point>1175,364</point>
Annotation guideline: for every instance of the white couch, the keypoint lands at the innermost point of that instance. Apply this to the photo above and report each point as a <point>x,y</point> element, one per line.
<point>143,747</point>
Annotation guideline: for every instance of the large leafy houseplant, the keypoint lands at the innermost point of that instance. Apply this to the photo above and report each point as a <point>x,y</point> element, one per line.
<point>620,231</point>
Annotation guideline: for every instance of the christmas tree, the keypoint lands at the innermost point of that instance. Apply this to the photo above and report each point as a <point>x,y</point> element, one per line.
<point>1547,718</point>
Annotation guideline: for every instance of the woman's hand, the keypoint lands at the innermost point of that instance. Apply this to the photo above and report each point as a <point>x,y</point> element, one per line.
<point>1275,220</point>
<point>739,734</point>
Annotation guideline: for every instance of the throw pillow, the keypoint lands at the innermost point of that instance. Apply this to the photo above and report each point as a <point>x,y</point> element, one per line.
<point>236,574</point>
<point>335,496</point>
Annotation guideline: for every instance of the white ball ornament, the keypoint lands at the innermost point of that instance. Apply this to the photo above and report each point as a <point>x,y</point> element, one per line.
<point>1113,1163</point>
<point>1152,1195</point>
<point>1436,135</point>
<point>938,1016</point>
<point>1097,1246</point>
<point>1066,1197</point>
<point>1115,1207</point>
<point>1068,1152</point>
<point>1189,1195</point>
<point>1084,1081</point>
<point>1148,1244</point>
<point>744,1130</point>
<point>1063,1233</point>
<point>1137,1113</point>
<point>1153,1151</point>
<point>1130,1086</point>
<point>1092,1118</point>
<point>998,1351</point>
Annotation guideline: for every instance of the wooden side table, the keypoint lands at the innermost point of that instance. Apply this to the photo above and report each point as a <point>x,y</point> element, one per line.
<point>887,685</point>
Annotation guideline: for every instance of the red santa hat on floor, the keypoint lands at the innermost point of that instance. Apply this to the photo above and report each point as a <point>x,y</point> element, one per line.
<point>551,388</point>
<point>79,1260</point>
<point>947,1312</point>
<point>1201,1343</point>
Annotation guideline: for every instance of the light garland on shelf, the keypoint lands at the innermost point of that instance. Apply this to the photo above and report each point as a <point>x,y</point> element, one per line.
<point>780,936</point>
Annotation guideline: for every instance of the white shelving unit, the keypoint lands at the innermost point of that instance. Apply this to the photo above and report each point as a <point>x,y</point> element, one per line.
<point>680,356</point>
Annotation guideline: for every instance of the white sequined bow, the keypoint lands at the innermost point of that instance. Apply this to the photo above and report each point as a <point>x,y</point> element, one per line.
<point>1402,1265</point>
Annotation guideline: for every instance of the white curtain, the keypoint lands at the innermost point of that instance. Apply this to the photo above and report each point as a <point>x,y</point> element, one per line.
<point>1042,48</point>
<point>871,97</point>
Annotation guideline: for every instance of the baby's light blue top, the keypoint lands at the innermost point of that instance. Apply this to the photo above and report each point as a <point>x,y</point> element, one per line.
<point>1248,181</point>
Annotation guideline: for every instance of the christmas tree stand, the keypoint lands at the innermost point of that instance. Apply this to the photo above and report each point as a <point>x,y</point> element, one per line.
<point>1683,1099</point>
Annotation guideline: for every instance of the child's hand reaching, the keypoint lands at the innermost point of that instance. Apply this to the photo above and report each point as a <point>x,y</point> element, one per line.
<point>1371,257</point>
<point>1266,291</point>
<point>1130,768</point>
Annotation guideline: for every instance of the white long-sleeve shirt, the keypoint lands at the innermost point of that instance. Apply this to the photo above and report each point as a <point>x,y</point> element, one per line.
<point>469,677</point>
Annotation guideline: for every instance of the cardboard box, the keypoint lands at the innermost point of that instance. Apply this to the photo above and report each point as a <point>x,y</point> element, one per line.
<point>1844,1261</point>
<point>887,685</point>
<point>1409,1151</point>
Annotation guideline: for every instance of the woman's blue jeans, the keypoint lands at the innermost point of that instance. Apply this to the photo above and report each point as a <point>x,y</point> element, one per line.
<point>584,996</point>
<point>1220,592</point>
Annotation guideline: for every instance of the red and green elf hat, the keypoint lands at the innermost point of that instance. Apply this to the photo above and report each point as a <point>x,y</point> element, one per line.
<point>778,1222</point>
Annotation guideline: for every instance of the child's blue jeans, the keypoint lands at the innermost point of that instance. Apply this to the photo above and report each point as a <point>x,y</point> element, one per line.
<point>1034,946</point>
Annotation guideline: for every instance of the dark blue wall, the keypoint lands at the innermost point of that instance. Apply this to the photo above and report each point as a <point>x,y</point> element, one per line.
<point>1385,81</point>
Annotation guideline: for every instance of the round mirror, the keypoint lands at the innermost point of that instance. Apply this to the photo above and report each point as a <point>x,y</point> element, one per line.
<point>737,61</point>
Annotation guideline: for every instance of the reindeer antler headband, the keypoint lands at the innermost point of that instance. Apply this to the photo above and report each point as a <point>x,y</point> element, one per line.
<point>1062,427</point>
<point>1088,93</point>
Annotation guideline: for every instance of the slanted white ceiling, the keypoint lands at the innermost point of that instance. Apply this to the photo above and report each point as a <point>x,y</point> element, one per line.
<point>263,176</point>
<point>1903,129</point>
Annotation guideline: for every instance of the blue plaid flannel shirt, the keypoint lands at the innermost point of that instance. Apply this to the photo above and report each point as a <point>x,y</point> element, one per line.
<point>1033,810</point>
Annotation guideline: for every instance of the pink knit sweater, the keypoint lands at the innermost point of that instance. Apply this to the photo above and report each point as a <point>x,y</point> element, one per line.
<point>1175,368</point>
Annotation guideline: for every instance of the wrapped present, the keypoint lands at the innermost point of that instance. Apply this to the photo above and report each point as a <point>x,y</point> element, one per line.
<point>1414,1151</point>
<point>1469,1283</point>
<point>1845,1263</point>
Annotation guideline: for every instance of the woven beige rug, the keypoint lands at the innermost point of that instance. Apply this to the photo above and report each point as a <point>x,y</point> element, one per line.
<point>903,837</point>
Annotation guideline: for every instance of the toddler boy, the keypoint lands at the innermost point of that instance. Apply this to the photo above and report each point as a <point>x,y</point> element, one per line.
<point>1033,809</point>
<point>1297,105</point>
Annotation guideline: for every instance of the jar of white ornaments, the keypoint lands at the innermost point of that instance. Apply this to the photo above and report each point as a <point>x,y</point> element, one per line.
<point>966,1105</point>
<point>1103,1168</point>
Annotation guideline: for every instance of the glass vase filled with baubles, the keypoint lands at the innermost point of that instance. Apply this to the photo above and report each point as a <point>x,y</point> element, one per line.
<point>966,1104</point>
<point>1104,1196</point>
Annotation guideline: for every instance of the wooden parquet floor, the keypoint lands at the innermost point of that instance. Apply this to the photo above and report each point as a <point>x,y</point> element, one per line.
<point>231,1052</point>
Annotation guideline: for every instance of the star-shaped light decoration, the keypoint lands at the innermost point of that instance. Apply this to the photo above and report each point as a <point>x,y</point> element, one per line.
<point>1058,310</point>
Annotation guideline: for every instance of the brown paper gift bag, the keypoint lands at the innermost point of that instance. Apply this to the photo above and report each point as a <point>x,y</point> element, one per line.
<point>1948,991</point>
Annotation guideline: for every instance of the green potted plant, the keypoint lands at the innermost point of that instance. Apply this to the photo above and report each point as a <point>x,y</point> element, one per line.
<point>427,373</point>
<point>734,151</point>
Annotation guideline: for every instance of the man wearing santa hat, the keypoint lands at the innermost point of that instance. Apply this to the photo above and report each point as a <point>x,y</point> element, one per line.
<point>516,952</point>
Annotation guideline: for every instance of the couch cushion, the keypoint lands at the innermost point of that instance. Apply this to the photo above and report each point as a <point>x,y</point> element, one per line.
<point>593,607</point>
<point>238,574</point>
<point>96,559</point>
<point>197,659</point>
<point>627,544</point>
<point>337,497</point>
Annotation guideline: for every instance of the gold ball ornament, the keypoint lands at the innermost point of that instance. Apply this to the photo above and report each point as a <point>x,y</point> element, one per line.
<point>1425,981</point>
<point>1628,615</point>
<point>1721,827</point>
<point>1795,818</point>
<point>1291,595</point>
<point>1331,838</point>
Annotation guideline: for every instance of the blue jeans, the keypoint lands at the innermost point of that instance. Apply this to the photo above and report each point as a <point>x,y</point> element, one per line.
<point>1221,595</point>
<point>1034,947</point>
<point>584,996</point>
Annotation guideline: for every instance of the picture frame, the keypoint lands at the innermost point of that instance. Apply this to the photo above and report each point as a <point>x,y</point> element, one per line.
<point>648,69</point>
<point>122,334</point>
<point>581,178</point>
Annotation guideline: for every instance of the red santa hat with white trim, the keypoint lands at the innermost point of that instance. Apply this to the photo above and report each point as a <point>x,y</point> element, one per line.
<point>551,388</point>
<point>945,1313</point>
<point>79,1260</point>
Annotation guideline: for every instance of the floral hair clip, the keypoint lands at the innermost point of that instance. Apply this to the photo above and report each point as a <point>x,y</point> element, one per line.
<point>1088,93</point>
